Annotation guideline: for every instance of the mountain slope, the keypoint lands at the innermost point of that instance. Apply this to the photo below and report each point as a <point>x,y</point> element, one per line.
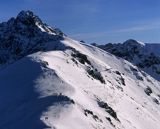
<point>24,35</point>
<point>77,86</point>
<point>145,56</point>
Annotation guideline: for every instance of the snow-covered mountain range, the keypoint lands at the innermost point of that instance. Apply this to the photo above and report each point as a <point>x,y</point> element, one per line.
<point>144,55</point>
<point>50,81</point>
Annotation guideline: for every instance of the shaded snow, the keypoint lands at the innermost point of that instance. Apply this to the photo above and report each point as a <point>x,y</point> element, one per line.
<point>49,90</point>
<point>52,89</point>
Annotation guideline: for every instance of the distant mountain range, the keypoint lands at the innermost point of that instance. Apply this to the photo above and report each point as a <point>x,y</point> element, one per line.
<point>144,55</point>
<point>50,81</point>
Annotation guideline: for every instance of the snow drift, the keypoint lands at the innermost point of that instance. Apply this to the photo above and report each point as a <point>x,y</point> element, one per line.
<point>69,85</point>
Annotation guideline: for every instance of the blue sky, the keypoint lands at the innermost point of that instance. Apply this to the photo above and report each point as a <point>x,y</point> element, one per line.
<point>99,21</point>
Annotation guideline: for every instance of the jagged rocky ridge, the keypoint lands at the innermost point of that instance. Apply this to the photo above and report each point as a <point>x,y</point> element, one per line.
<point>145,56</point>
<point>64,84</point>
<point>24,35</point>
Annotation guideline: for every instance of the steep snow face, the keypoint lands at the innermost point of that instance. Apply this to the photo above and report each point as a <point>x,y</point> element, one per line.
<point>64,84</point>
<point>80,87</point>
<point>27,90</point>
<point>145,56</point>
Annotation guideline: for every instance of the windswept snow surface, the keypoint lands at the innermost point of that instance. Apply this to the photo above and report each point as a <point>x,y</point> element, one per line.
<point>49,81</point>
<point>53,90</point>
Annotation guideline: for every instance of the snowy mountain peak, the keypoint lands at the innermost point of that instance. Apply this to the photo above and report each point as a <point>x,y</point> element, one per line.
<point>132,42</point>
<point>24,35</point>
<point>28,17</point>
<point>145,56</point>
<point>23,15</point>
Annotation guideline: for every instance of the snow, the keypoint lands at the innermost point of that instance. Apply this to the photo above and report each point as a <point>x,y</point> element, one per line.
<point>52,89</point>
<point>32,88</point>
<point>132,42</point>
<point>145,56</point>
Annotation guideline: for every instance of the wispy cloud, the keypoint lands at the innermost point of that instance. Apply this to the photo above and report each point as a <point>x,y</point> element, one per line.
<point>132,29</point>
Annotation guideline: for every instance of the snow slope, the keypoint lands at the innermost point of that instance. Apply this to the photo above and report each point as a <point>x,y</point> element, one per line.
<point>77,86</point>
<point>145,56</point>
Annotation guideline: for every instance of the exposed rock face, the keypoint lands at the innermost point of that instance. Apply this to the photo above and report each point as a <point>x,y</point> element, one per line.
<point>24,35</point>
<point>145,56</point>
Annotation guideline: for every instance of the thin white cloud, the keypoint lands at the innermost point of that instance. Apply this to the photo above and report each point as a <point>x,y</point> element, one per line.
<point>146,27</point>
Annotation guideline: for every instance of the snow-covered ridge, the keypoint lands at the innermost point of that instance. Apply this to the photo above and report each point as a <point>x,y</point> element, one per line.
<point>145,56</point>
<point>69,85</point>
